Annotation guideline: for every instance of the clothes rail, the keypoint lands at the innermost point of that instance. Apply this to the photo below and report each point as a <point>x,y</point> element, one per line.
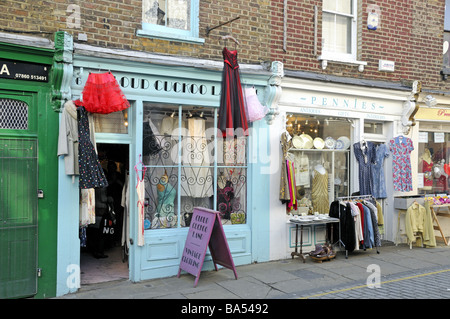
<point>356,198</point>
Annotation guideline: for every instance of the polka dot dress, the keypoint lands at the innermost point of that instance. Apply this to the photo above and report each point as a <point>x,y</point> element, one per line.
<point>91,171</point>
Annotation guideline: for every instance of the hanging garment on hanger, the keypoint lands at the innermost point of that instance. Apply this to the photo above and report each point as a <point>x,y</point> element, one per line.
<point>91,171</point>
<point>140,189</point>
<point>369,240</point>
<point>359,236</point>
<point>232,108</point>
<point>401,148</point>
<point>365,153</point>
<point>254,109</point>
<point>418,220</point>
<point>373,216</point>
<point>378,178</point>
<point>346,224</point>
<point>102,94</point>
<point>87,207</point>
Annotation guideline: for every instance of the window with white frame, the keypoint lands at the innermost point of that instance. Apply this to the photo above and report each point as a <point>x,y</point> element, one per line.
<point>188,164</point>
<point>339,18</point>
<point>171,20</point>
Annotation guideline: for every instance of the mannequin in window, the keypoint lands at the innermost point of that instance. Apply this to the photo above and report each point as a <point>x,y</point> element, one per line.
<point>427,168</point>
<point>319,190</point>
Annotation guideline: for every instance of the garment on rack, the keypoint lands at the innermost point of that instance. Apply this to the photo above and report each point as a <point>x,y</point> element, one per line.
<point>91,171</point>
<point>365,156</point>
<point>373,216</point>
<point>356,213</point>
<point>342,211</point>
<point>232,107</point>
<point>378,179</point>
<point>369,241</point>
<point>363,232</point>
<point>401,148</point>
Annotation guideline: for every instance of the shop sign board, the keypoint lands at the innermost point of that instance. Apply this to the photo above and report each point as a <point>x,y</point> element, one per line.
<point>205,231</point>
<point>18,70</point>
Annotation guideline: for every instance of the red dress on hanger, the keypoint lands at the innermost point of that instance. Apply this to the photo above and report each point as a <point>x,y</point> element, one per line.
<point>232,108</point>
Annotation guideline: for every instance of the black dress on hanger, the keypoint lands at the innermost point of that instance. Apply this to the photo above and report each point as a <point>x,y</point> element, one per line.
<point>91,171</point>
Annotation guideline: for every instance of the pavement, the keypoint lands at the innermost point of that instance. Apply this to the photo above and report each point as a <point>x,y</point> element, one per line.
<point>394,272</point>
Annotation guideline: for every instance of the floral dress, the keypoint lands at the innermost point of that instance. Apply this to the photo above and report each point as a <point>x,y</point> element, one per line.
<point>401,148</point>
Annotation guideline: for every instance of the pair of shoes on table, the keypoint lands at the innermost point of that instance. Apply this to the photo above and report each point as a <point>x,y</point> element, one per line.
<point>322,251</point>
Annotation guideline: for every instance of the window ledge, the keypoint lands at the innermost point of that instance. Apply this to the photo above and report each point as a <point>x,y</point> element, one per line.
<point>169,37</point>
<point>326,59</point>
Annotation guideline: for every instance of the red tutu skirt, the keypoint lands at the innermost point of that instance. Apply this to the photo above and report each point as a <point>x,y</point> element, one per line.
<point>102,94</point>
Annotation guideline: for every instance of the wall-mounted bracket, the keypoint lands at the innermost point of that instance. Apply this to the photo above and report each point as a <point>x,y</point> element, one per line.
<point>208,29</point>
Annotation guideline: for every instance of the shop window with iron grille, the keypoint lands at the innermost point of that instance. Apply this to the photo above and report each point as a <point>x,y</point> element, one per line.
<point>189,165</point>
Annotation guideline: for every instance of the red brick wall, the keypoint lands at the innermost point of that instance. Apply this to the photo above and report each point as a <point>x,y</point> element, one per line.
<point>113,24</point>
<point>410,33</point>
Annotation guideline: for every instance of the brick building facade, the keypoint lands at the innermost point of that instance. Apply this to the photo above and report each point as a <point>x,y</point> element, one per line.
<point>283,53</point>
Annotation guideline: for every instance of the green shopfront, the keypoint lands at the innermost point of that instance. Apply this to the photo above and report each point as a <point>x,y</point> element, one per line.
<point>168,139</point>
<point>30,98</point>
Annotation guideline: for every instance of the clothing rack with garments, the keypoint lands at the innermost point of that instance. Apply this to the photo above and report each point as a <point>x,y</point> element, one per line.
<point>358,222</point>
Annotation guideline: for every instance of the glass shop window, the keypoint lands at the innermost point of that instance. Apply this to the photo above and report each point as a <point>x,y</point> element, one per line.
<point>433,161</point>
<point>320,150</point>
<point>189,165</point>
<point>116,122</point>
<point>373,127</point>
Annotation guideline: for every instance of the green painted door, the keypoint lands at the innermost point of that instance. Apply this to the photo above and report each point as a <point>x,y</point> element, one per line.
<point>18,197</point>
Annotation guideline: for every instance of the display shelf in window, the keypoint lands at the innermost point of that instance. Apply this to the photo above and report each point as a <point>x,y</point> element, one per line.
<point>321,175</point>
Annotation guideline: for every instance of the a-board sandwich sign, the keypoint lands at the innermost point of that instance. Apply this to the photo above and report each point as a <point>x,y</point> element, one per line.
<point>205,231</point>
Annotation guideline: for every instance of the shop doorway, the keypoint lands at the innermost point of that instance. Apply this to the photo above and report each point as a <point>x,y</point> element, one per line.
<point>104,255</point>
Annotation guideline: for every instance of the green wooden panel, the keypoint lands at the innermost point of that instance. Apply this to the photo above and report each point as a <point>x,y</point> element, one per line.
<point>18,217</point>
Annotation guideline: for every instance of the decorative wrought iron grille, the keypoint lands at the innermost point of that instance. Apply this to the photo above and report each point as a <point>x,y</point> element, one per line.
<point>188,166</point>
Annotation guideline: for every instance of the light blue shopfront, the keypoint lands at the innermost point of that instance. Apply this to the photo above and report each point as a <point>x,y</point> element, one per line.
<point>147,83</point>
